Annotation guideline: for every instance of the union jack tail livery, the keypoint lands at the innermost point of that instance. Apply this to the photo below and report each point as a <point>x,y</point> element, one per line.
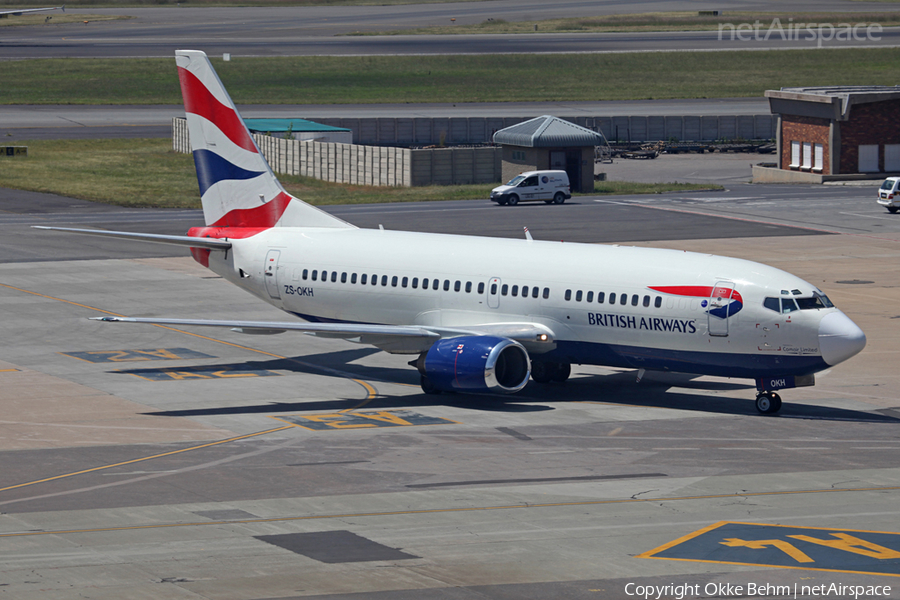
<point>237,187</point>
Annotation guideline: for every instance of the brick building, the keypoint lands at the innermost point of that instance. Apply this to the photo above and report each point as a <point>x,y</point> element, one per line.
<point>836,132</point>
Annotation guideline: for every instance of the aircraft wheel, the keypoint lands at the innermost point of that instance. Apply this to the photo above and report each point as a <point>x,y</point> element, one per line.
<point>562,372</point>
<point>512,200</point>
<point>768,403</point>
<point>427,386</point>
<point>542,372</point>
<point>559,198</point>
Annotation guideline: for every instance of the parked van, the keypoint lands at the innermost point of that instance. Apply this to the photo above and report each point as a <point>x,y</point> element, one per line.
<point>889,195</point>
<point>549,186</point>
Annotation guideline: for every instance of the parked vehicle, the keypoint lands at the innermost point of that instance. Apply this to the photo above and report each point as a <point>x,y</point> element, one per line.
<point>888,195</point>
<point>550,186</point>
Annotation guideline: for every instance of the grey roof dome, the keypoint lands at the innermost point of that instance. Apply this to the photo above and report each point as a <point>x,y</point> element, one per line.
<point>547,132</point>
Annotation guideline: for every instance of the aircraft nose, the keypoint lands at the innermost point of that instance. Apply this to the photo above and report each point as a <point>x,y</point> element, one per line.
<point>839,338</point>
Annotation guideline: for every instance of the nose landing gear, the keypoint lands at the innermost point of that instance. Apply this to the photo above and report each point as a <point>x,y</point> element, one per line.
<point>768,403</point>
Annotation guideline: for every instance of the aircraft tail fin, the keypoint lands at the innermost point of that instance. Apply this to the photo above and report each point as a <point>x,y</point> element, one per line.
<point>237,186</point>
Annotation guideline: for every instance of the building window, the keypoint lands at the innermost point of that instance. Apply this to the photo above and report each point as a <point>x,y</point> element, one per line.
<point>807,157</point>
<point>795,155</point>
<point>818,157</point>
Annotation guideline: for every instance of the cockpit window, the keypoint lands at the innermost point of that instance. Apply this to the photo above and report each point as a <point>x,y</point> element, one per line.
<point>786,305</point>
<point>810,303</point>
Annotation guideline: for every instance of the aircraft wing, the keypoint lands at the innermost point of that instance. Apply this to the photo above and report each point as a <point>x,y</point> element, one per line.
<point>396,339</point>
<point>178,240</point>
<point>21,11</point>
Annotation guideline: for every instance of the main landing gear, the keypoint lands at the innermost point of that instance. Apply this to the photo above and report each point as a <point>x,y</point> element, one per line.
<point>768,403</point>
<point>545,372</point>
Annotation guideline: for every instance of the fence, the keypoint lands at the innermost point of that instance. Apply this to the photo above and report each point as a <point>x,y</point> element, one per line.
<point>370,165</point>
<point>479,130</point>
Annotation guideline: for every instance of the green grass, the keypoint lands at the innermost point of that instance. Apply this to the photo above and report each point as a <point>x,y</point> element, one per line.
<point>147,173</point>
<point>457,79</point>
<point>665,21</point>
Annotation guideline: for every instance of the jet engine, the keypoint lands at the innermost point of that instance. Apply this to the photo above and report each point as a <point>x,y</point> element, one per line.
<point>474,364</point>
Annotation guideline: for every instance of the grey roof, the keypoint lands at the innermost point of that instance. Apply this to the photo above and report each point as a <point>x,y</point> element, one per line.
<point>547,132</point>
<point>842,97</point>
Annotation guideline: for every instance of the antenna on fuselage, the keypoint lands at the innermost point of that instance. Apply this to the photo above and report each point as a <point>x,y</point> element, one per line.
<point>528,235</point>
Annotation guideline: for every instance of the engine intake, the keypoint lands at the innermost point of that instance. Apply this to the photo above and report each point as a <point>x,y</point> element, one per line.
<point>476,364</point>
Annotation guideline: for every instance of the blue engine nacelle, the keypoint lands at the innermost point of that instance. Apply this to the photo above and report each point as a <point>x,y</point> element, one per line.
<point>475,364</point>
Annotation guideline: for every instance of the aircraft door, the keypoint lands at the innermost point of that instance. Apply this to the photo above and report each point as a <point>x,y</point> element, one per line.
<point>718,311</point>
<point>270,272</point>
<point>493,293</point>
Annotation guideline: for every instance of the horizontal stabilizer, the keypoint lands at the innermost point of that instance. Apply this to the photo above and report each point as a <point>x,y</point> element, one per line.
<point>178,240</point>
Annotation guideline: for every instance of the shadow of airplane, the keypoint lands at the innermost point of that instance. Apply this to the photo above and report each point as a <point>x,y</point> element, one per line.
<point>656,390</point>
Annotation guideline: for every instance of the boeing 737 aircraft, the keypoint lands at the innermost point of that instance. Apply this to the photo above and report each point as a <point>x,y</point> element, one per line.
<point>484,314</point>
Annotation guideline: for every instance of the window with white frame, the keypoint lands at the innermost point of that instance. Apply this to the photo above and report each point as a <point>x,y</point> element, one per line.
<point>795,155</point>
<point>819,156</point>
<point>807,156</point>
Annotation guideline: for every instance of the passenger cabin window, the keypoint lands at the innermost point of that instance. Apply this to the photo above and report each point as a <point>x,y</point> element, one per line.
<point>612,297</point>
<point>590,297</point>
<point>623,299</point>
<point>546,293</point>
<point>333,276</point>
<point>315,274</point>
<point>384,280</point>
<point>435,284</point>
<point>634,299</point>
<point>353,278</point>
<point>457,286</point>
<point>578,296</point>
<point>468,287</point>
<point>343,278</point>
<point>446,285</point>
<point>363,279</point>
<point>568,295</point>
<point>515,291</point>
<point>404,282</point>
<point>646,301</point>
<point>324,275</point>
<point>534,292</point>
<point>305,274</point>
<point>415,282</point>
<point>504,289</point>
<point>524,291</point>
<point>481,287</point>
<point>394,281</point>
<point>658,302</point>
<point>493,289</point>
<point>601,296</point>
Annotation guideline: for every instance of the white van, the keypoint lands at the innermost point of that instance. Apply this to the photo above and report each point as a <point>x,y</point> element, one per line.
<point>549,186</point>
<point>889,195</point>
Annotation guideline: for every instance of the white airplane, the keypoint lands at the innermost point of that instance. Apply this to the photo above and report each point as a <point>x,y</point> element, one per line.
<point>483,314</point>
<point>16,12</point>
